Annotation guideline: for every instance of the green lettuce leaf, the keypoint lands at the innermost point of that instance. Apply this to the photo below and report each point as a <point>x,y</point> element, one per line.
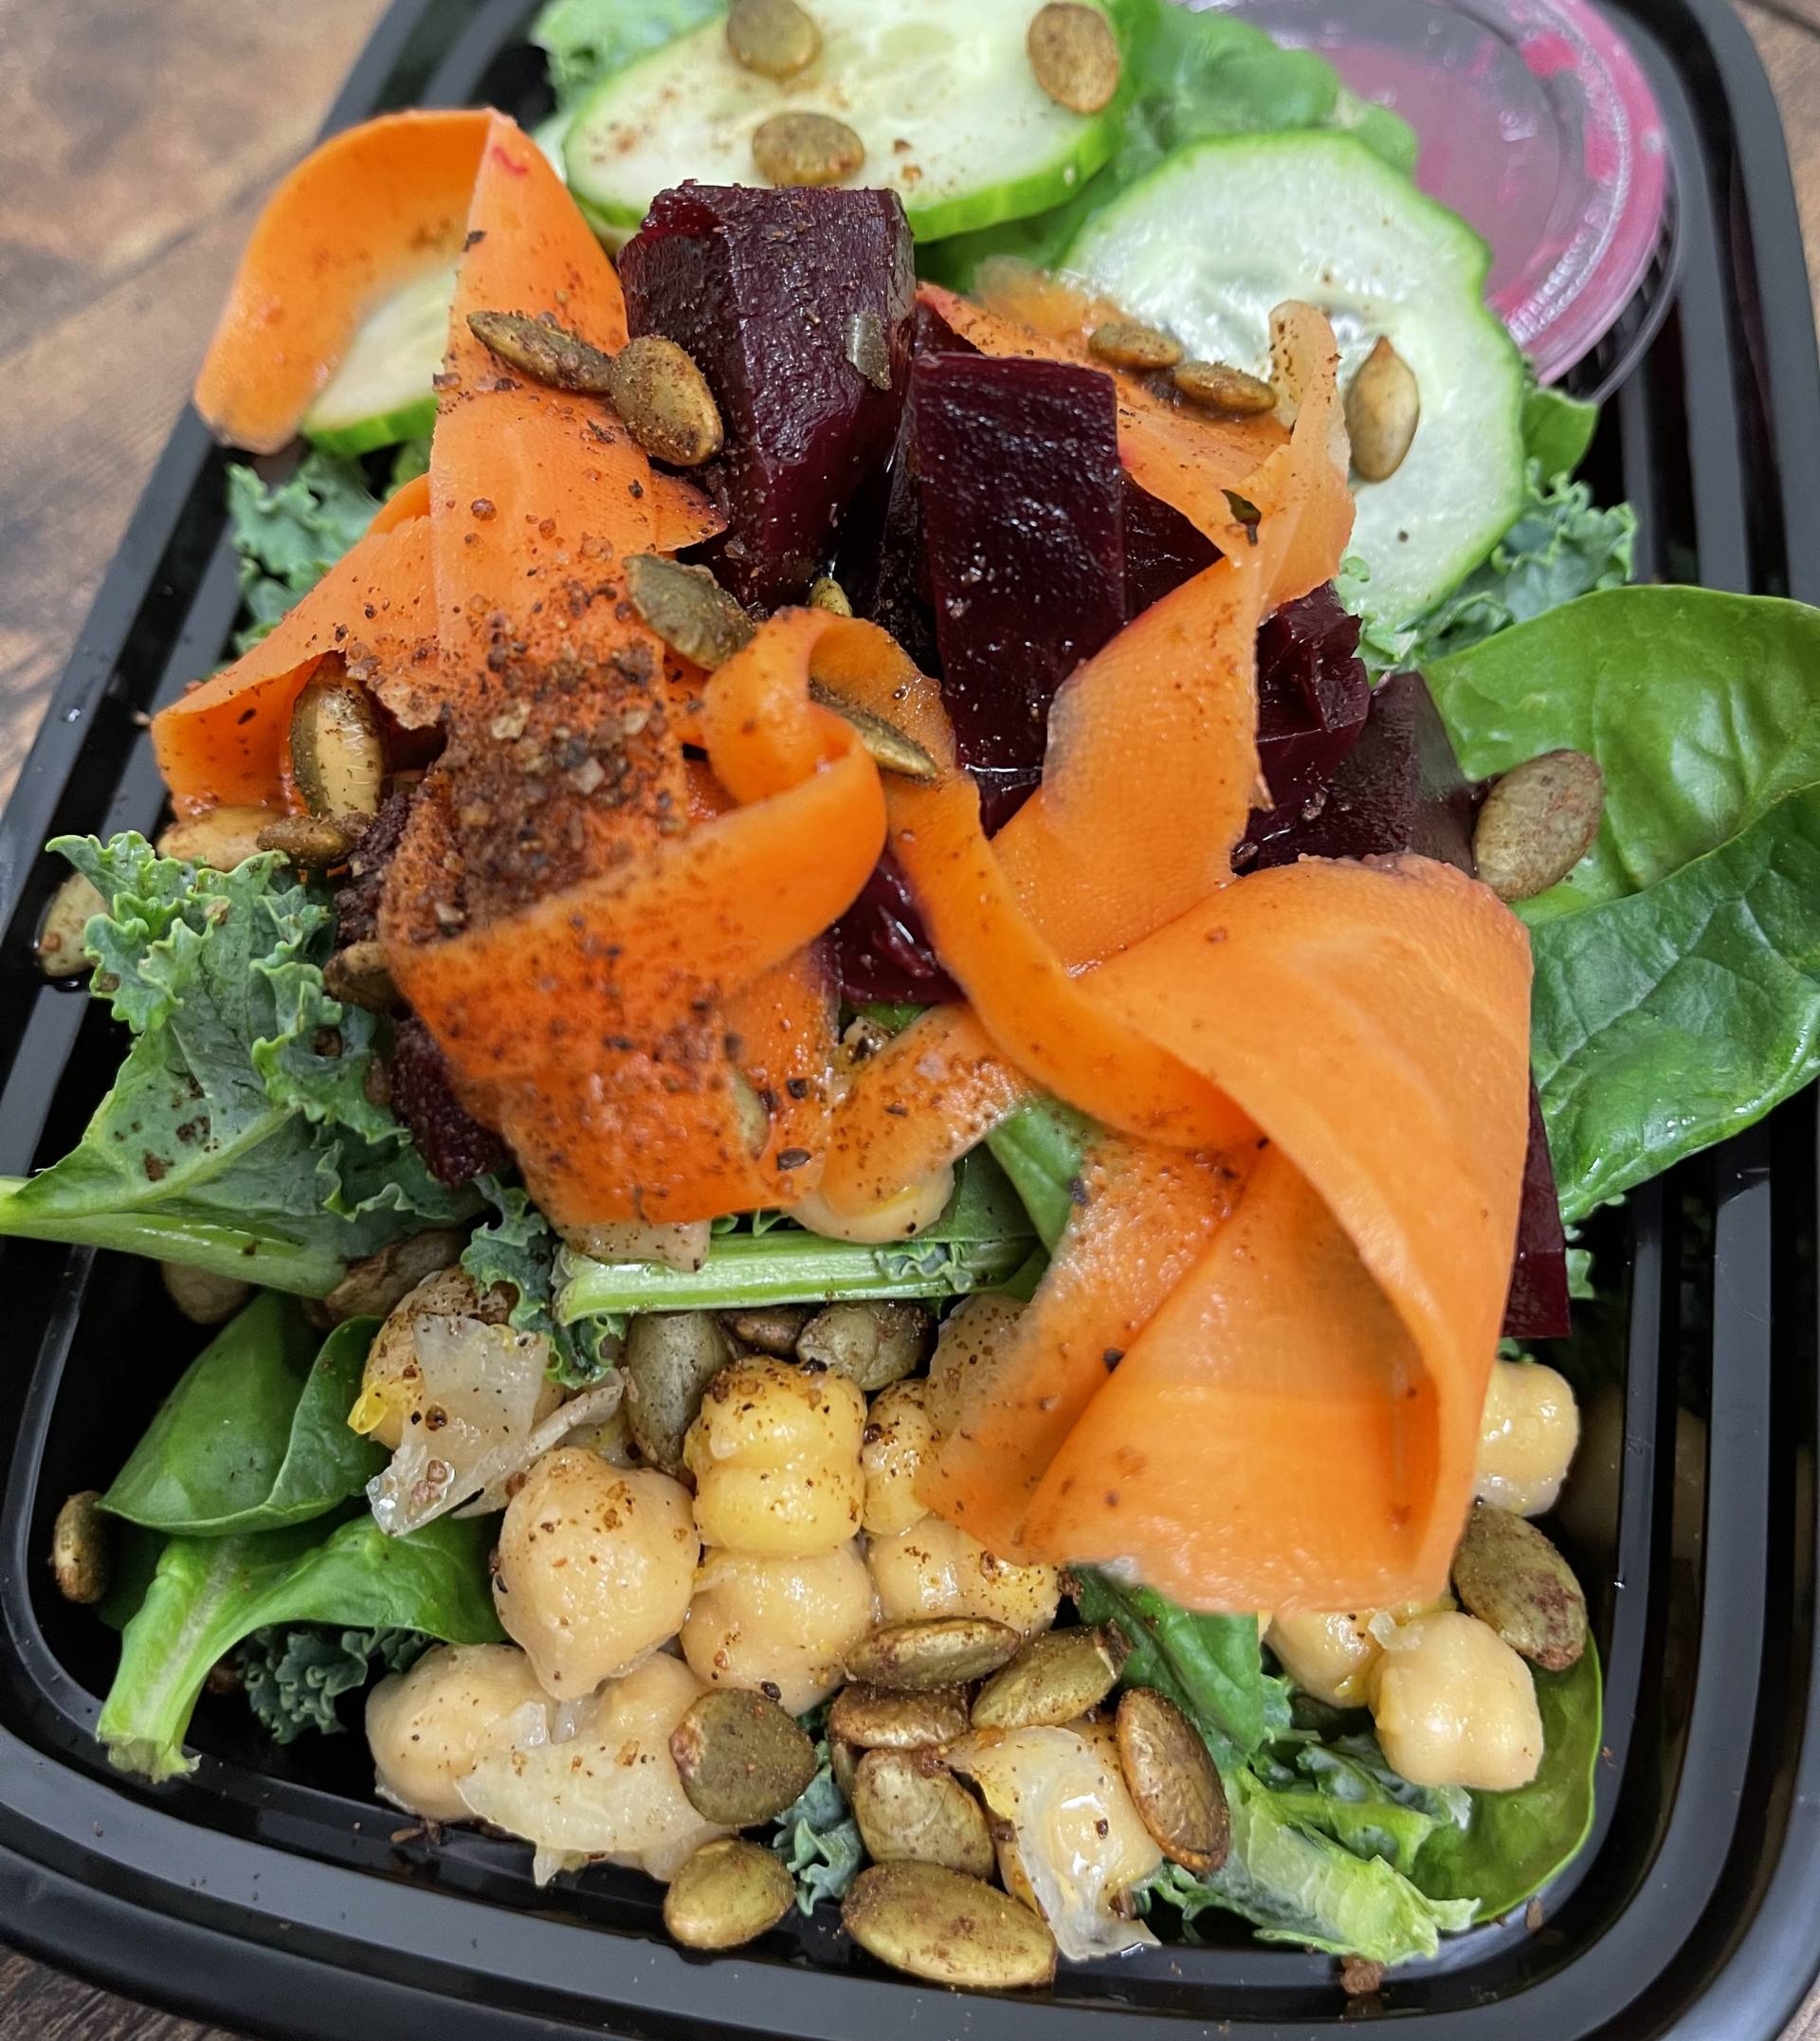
<point>293,1677</point>
<point>587,39</point>
<point>209,1594</point>
<point>1558,429</point>
<point>255,1434</point>
<point>1042,1148</point>
<point>1347,1790</point>
<point>238,1134</point>
<point>518,1250</point>
<point>1514,1842</point>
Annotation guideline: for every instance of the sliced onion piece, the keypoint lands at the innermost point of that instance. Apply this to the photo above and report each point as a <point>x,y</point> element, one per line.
<point>591,1406</point>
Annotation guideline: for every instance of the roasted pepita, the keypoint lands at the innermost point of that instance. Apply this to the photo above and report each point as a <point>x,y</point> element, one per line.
<point>1056,1678</point>
<point>805,148</point>
<point>775,38</point>
<point>337,752</point>
<point>670,1358</point>
<point>375,1287</point>
<point>314,842</point>
<point>1075,56</point>
<point>665,402</point>
<point>203,1299</point>
<point>909,1805</point>
<point>868,349</point>
<point>1172,1780</point>
<point>81,1548</point>
<point>688,609</point>
<point>1537,823</point>
<point>947,1651</point>
<point>741,1759</point>
<point>1125,344</point>
<point>875,1718</point>
<point>872,1344</point>
<point>828,593</point>
<point>545,351</point>
<point>360,976</point>
<point>1511,1578</point>
<point>729,1892</point>
<point>1217,386</point>
<point>771,1328</point>
<point>60,951</point>
<point>892,748</point>
<point>1383,408</point>
<point>949,1928</point>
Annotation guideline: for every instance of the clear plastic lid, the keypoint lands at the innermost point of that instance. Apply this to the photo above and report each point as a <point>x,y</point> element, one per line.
<point>1537,125</point>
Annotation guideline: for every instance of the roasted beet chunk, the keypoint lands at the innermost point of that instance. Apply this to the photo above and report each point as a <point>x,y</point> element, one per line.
<point>1023,519</point>
<point>454,1144</point>
<point>791,302</point>
<point>1162,549</point>
<point>1400,788</point>
<point>880,949</point>
<point>1537,1305</point>
<point>1313,694</point>
<point>356,899</point>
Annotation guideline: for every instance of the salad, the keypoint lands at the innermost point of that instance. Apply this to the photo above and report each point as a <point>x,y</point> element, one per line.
<point>941,860</point>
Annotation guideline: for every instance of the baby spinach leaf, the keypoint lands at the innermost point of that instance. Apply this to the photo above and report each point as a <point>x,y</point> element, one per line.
<point>1210,1665</point>
<point>293,1677</point>
<point>1664,1021</point>
<point>238,1134</point>
<point>255,1433</point>
<point>1558,429</point>
<point>1516,1842</point>
<point>209,1594</point>
<point>1042,1148</point>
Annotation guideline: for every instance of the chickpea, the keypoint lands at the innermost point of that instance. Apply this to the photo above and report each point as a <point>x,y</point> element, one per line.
<point>972,1335</point>
<point>392,1385</point>
<point>775,1457</point>
<point>1526,1437</point>
<point>905,1214</point>
<point>430,1726</point>
<point>1455,1705</point>
<point>783,1625</point>
<point>1328,1656</point>
<point>595,1567</point>
<point>897,1435</point>
<point>933,1569</point>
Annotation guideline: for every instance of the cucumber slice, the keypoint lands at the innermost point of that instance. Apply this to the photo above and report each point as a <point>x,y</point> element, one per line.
<point>1222,231</point>
<point>942,93</point>
<point>381,392</point>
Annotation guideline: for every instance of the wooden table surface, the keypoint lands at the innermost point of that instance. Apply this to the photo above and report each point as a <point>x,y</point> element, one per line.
<point>141,137</point>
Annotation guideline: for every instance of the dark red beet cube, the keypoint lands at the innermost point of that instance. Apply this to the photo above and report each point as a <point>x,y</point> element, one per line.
<point>1537,1305</point>
<point>1313,694</point>
<point>880,949</point>
<point>1400,788</point>
<point>776,294</point>
<point>452,1140</point>
<point>1023,519</point>
<point>1162,549</point>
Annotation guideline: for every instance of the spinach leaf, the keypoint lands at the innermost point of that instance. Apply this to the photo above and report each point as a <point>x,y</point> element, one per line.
<point>238,1134</point>
<point>1700,706</point>
<point>1558,429</point>
<point>1516,1842</point>
<point>1664,1021</point>
<point>289,533</point>
<point>589,40</point>
<point>1042,1148</point>
<point>294,1677</point>
<point>1210,1665</point>
<point>519,1248</point>
<point>1297,1885</point>
<point>209,1594</point>
<point>255,1434</point>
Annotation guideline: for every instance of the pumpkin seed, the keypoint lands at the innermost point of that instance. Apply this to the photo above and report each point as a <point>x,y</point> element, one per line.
<point>892,748</point>
<point>843,1762</point>
<point>730,1891</point>
<point>1126,344</point>
<point>741,1759</point>
<point>665,402</point>
<point>1172,1780</point>
<point>203,1299</point>
<point>670,1358</point>
<point>949,1928</point>
<point>375,1286</point>
<point>872,1344</point>
<point>545,351</point>
<point>220,838</point>
<point>1511,1578</point>
<point>944,1651</point>
<point>73,905</point>
<point>874,1718</point>
<point>775,38</point>
<point>80,1541</point>
<point>688,609</point>
<point>338,755</point>
<point>828,593</point>
<point>1537,823</point>
<point>771,1328</point>
<point>1075,56</point>
<point>867,350</point>
<point>1055,1679</point>
<point>362,975</point>
<point>1383,408</point>
<point>1217,386</point>
<point>908,1805</point>
<point>804,148</point>
<point>315,842</point>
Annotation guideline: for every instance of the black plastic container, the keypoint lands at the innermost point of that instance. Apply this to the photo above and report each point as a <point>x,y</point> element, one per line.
<point>266,1891</point>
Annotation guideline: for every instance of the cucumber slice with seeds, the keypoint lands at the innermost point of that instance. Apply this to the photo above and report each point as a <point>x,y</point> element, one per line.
<point>1222,231</point>
<point>942,93</point>
<point>381,394</point>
